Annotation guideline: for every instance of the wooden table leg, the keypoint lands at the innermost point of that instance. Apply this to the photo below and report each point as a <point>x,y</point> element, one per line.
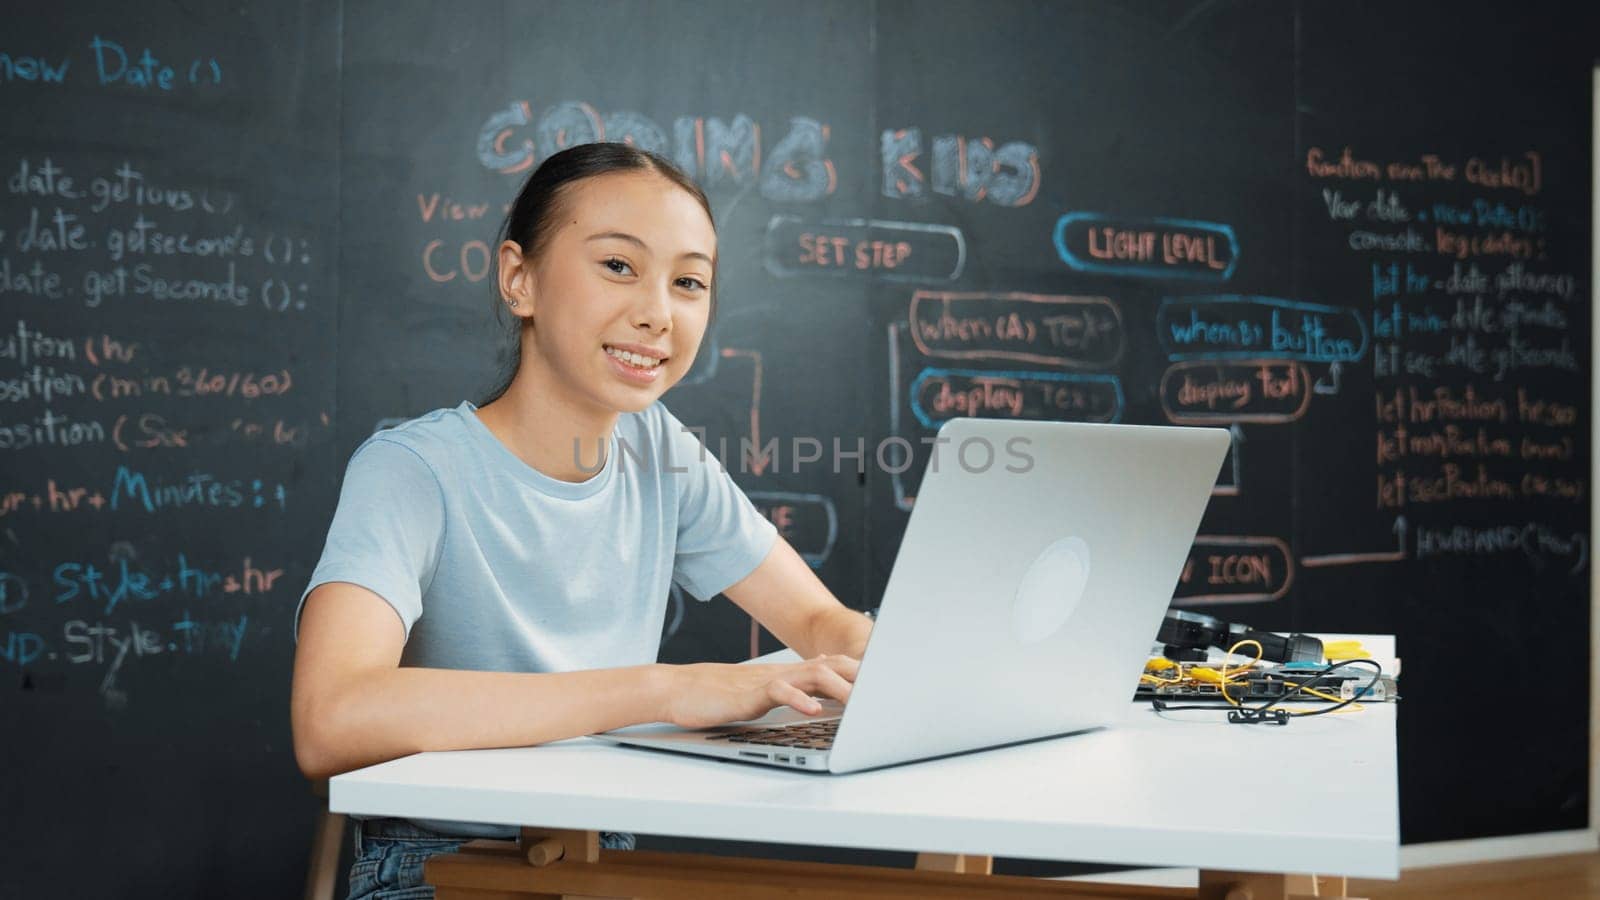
<point>560,864</point>
<point>1215,885</point>
<point>536,847</point>
<point>648,875</point>
<point>1331,886</point>
<point>955,862</point>
<point>543,846</point>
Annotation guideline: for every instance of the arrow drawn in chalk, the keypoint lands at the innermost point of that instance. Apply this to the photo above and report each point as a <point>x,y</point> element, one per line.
<point>1231,489</point>
<point>1350,559</point>
<point>1335,370</point>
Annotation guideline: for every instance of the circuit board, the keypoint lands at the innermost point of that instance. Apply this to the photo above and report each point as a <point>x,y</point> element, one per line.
<point>1167,680</point>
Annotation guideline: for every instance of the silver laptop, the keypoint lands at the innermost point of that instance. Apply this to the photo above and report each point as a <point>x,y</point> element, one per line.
<point>1029,585</point>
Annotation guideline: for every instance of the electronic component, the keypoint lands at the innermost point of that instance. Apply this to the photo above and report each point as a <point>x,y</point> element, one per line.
<point>1186,636</point>
<point>1165,679</point>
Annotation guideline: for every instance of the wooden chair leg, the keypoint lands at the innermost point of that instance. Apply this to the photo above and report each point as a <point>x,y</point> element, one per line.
<point>323,873</point>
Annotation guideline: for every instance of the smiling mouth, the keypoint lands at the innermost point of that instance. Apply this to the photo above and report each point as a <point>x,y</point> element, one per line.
<point>633,359</point>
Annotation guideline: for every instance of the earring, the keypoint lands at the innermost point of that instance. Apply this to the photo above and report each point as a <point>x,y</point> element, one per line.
<point>511,303</point>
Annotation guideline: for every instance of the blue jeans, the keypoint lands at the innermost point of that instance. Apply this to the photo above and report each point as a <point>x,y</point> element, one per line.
<point>389,854</point>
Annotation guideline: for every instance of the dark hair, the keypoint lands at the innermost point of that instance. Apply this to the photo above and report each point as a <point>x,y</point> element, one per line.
<point>535,215</point>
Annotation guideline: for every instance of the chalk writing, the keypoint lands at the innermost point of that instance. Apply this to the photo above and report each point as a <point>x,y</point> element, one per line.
<point>1523,173</point>
<point>1080,332</point>
<point>1453,481</point>
<point>808,521</point>
<point>263,267</point>
<point>1229,569</point>
<point>715,152</point>
<point>116,65</point>
<point>51,429</point>
<point>941,394</point>
<point>1229,326</point>
<point>1154,248</point>
<point>1539,542</point>
<point>102,643</point>
<point>1269,391</point>
<point>875,248</point>
<point>1468,313</point>
<point>971,168</point>
<point>136,490</point>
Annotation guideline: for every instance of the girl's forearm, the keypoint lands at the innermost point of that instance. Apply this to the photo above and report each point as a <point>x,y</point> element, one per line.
<point>396,712</point>
<point>839,630</point>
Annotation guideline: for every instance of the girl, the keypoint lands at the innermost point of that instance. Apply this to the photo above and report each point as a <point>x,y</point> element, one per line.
<point>497,576</point>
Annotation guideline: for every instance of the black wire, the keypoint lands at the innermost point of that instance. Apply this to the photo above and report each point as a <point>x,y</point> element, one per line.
<point>1377,672</point>
<point>1301,687</point>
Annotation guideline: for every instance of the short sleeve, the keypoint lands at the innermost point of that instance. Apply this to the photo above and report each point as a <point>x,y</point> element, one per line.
<point>721,536</point>
<point>387,530</point>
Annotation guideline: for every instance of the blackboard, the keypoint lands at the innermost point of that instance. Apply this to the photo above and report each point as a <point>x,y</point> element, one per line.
<point>234,243</point>
<point>169,281</point>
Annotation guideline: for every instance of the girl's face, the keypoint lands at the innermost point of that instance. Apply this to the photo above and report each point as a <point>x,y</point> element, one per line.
<point>620,296</point>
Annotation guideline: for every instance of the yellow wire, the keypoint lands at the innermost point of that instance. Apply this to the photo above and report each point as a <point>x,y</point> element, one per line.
<point>1315,693</point>
<point>1354,707</point>
<point>1225,678</point>
<point>1157,679</point>
<point>1227,673</point>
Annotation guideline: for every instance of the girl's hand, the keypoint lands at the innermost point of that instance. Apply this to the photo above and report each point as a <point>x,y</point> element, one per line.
<point>706,694</point>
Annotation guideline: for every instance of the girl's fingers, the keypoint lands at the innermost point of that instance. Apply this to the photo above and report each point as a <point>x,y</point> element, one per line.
<point>846,666</point>
<point>785,693</point>
<point>826,679</point>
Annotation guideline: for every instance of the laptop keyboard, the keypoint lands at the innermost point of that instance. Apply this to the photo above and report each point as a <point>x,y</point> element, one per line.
<point>805,735</point>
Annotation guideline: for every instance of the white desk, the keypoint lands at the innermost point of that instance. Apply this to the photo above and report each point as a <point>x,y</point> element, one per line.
<point>1176,789</point>
<point>1318,795</point>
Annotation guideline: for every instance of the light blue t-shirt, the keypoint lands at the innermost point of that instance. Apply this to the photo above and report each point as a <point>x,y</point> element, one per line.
<point>494,566</point>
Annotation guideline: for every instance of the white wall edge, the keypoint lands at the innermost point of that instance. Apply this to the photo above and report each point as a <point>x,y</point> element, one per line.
<point>1594,435</point>
<point>1495,849</point>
